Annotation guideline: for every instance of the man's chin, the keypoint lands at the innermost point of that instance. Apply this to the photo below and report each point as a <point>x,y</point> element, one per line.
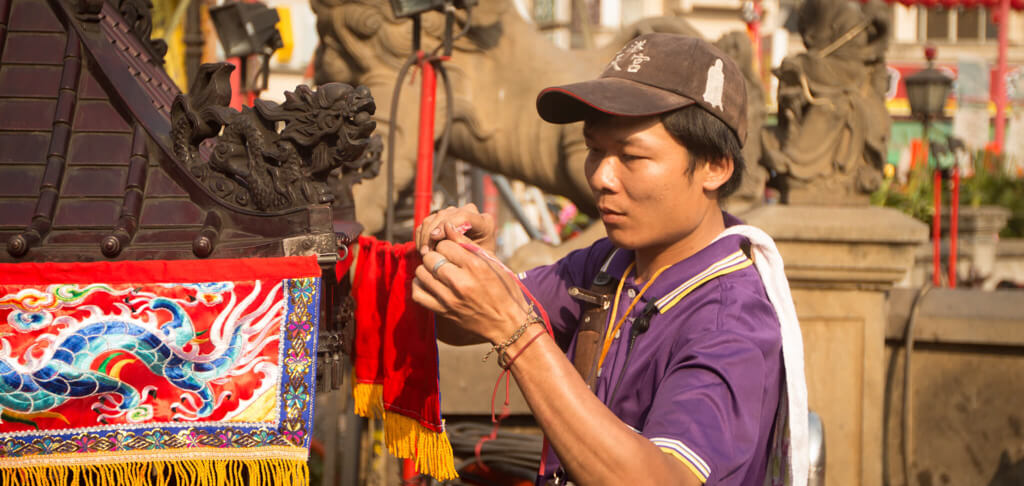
<point>620,237</point>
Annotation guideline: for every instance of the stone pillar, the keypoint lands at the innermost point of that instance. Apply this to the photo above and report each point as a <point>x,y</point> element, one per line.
<point>977,249</point>
<point>978,239</point>
<point>840,262</point>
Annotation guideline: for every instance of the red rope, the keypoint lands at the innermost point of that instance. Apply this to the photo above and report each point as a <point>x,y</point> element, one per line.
<point>507,373</point>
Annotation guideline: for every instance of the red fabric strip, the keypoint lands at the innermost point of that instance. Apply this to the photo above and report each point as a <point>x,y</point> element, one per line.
<point>369,320</point>
<point>395,343</point>
<point>411,386</point>
<point>178,271</point>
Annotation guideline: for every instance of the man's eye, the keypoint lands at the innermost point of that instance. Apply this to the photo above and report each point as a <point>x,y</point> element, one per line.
<point>629,157</point>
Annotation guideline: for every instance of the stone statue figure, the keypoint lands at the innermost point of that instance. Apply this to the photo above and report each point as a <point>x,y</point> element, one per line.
<point>830,143</point>
<point>496,70</point>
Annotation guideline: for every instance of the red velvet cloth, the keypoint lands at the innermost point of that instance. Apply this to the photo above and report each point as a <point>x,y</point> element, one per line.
<point>395,343</point>
<point>411,385</point>
<point>369,312</point>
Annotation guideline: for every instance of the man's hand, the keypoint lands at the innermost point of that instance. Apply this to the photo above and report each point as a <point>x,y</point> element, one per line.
<point>478,228</point>
<point>461,283</point>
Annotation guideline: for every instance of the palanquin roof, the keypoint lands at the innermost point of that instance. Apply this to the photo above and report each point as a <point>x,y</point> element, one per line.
<point>86,156</point>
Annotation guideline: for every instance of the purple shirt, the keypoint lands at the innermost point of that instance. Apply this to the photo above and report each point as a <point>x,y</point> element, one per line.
<point>703,382</point>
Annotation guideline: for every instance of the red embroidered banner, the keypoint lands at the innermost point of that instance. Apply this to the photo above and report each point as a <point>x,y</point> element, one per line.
<point>122,370</point>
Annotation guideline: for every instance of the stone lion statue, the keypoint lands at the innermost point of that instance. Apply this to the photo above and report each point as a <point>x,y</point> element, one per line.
<point>496,69</point>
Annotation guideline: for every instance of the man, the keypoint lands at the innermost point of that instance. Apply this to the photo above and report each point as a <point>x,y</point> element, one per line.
<point>685,386</point>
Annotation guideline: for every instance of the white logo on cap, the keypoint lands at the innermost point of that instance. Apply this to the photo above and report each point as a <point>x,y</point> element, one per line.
<point>713,88</point>
<point>634,53</point>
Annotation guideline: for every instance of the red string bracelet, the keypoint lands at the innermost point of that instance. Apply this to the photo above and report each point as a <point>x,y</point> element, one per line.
<point>506,364</point>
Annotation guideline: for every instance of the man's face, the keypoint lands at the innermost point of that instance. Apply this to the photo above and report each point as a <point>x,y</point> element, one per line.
<point>638,174</point>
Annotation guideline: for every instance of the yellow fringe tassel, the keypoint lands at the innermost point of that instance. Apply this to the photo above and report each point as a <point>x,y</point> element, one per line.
<point>368,399</point>
<point>407,439</point>
<point>192,472</point>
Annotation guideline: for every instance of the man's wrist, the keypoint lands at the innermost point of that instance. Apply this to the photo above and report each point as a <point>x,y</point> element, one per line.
<point>501,345</point>
<point>512,352</point>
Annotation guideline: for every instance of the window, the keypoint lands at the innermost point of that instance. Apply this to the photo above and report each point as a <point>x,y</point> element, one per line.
<point>968,24</point>
<point>959,24</point>
<point>991,29</point>
<point>937,24</point>
<point>544,11</point>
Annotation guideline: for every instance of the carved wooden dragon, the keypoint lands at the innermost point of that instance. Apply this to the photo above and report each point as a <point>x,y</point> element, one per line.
<point>273,157</point>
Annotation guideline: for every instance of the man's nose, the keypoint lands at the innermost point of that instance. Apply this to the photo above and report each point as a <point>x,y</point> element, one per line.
<point>604,177</point>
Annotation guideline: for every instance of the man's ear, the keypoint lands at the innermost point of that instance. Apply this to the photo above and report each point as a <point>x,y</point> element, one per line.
<point>716,173</point>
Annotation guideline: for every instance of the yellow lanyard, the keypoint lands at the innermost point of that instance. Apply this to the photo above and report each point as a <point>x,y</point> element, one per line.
<point>615,308</point>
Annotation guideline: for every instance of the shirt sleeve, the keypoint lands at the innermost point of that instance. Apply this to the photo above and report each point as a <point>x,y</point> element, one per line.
<point>706,410</point>
<point>550,284</point>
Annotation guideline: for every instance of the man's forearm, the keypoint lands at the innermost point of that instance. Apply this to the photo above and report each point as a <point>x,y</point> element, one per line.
<point>594,446</point>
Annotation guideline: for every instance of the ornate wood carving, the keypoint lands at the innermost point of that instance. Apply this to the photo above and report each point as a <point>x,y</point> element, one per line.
<point>275,157</point>
<point>139,15</point>
<point>89,10</point>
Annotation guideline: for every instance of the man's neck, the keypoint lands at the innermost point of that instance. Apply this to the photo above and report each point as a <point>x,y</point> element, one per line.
<point>650,260</point>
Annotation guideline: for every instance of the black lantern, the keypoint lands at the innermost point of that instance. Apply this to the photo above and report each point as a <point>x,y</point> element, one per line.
<point>245,29</point>
<point>409,8</point>
<point>928,89</point>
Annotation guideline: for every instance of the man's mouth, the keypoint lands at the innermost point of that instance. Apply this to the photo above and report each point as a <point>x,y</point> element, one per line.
<point>607,210</point>
<point>610,216</point>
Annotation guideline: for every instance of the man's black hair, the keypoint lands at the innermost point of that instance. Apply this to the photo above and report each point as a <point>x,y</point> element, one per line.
<point>706,138</point>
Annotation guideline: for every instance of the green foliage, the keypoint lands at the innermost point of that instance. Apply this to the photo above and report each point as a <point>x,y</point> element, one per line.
<point>914,198</point>
<point>989,186</point>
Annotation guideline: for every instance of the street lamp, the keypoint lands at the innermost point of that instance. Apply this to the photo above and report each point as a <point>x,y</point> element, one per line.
<point>927,91</point>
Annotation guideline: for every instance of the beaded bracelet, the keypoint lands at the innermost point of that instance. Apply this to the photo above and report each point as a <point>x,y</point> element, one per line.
<point>500,348</point>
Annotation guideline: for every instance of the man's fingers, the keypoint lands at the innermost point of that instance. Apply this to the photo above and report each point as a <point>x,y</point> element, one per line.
<point>429,224</point>
<point>452,233</point>
<point>467,219</point>
<point>469,257</point>
<point>437,290</point>
<point>441,267</point>
<point>455,253</point>
<point>423,297</point>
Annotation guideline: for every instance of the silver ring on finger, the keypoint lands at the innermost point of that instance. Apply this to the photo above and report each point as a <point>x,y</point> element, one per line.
<point>438,265</point>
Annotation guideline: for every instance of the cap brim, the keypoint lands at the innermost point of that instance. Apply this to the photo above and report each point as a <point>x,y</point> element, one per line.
<point>614,96</point>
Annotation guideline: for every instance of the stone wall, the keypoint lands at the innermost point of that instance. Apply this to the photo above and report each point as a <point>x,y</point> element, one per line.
<point>967,385</point>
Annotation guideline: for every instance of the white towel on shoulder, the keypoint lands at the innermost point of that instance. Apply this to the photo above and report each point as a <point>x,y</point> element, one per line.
<point>769,265</point>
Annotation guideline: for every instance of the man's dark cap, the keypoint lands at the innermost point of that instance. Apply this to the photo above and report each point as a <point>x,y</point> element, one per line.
<point>654,74</point>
